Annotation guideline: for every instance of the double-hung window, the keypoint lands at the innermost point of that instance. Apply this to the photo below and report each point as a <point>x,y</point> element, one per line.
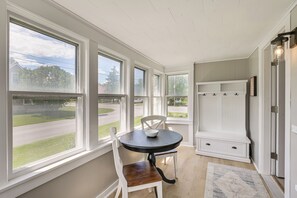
<point>111,100</point>
<point>140,95</point>
<point>177,96</point>
<point>157,96</point>
<point>45,97</point>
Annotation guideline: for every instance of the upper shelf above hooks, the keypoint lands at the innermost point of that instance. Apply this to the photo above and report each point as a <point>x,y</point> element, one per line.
<point>236,87</point>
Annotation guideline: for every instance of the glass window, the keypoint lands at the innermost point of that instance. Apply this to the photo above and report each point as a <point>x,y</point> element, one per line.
<point>177,107</point>
<point>40,62</point>
<point>43,125</point>
<point>157,106</point>
<point>110,107</point>
<point>156,85</point>
<point>177,99</point>
<point>177,85</point>
<point>139,110</point>
<point>109,115</point>
<point>139,82</point>
<point>109,75</point>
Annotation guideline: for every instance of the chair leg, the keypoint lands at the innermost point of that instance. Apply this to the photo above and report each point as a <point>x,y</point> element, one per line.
<point>159,190</point>
<point>175,165</point>
<point>155,190</point>
<point>124,193</point>
<point>118,191</point>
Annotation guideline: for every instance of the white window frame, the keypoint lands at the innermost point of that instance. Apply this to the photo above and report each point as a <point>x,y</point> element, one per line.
<point>123,91</point>
<point>53,31</point>
<point>169,96</point>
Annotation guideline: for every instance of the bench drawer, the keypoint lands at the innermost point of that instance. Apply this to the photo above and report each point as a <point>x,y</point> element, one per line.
<point>223,147</point>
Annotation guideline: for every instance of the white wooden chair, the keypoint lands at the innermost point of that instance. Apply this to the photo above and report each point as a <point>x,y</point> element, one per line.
<point>154,122</point>
<point>133,177</point>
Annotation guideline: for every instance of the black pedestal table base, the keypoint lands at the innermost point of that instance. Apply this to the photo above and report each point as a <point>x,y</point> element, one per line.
<point>152,159</point>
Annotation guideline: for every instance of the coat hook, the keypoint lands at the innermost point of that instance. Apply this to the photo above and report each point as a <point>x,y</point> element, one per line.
<point>225,94</point>
<point>214,94</point>
<point>236,94</point>
<point>204,94</point>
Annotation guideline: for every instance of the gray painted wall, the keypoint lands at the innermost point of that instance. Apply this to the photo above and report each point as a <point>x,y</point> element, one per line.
<point>293,164</point>
<point>221,70</point>
<point>253,129</point>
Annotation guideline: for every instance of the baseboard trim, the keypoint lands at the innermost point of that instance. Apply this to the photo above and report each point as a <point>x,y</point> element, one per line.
<point>246,160</point>
<point>255,165</point>
<point>187,144</point>
<point>273,187</point>
<point>108,191</point>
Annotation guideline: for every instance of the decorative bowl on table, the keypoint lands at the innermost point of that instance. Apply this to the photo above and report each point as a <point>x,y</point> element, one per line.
<point>151,132</point>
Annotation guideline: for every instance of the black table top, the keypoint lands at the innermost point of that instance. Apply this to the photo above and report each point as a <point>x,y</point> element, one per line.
<point>137,141</point>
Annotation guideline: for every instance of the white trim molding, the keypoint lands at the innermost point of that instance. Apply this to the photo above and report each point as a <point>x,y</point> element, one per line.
<point>109,190</point>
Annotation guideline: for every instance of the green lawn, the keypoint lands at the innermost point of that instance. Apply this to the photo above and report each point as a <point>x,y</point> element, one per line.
<point>177,115</point>
<point>104,130</point>
<point>63,114</point>
<point>104,110</point>
<point>41,149</point>
<point>28,153</point>
<point>137,121</point>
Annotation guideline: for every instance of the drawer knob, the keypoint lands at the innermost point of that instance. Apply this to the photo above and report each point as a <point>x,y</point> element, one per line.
<point>234,147</point>
<point>207,144</point>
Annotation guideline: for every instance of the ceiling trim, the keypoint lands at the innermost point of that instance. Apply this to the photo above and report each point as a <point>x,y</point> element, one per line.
<point>91,25</point>
<point>223,59</point>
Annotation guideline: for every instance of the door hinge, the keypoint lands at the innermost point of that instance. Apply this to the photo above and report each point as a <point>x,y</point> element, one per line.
<point>274,109</point>
<point>273,64</point>
<point>274,156</point>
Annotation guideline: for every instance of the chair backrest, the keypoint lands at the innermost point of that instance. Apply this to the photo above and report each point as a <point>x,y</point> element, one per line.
<point>153,121</point>
<point>116,156</point>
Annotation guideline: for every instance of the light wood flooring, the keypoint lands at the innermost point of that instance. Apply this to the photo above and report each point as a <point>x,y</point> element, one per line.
<point>192,170</point>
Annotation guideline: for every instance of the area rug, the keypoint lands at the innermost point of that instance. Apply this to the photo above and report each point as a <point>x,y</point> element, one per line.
<point>232,182</point>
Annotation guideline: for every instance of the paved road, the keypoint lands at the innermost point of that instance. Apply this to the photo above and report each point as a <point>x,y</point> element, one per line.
<point>31,133</point>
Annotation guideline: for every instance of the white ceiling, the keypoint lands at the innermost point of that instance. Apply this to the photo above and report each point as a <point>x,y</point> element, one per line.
<point>181,32</point>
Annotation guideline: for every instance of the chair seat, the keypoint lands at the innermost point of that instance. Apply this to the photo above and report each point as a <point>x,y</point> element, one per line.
<point>140,173</point>
<point>166,152</point>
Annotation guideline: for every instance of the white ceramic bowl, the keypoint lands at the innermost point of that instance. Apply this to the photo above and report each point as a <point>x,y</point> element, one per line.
<point>151,132</point>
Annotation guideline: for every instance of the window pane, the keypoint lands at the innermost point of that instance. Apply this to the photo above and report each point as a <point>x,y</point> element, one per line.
<point>42,126</point>
<point>109,75</point>
<point>38,62</point>
<point>178,85</point>
<point>177,107</point>
<point>139,111</point>
<point>157,85</point>
<point>109,115</point>
<point>157,106</point>
<point>139,82</point>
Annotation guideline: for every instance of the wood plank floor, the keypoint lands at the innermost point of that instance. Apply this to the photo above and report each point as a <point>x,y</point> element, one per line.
<point>192,170</point>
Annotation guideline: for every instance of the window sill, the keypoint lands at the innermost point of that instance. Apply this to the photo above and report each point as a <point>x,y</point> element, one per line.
<point>25,183</point>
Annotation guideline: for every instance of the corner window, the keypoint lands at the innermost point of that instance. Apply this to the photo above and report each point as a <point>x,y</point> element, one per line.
<point>46,103</point>
<point>111,101</point>
<point>177,96</point>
